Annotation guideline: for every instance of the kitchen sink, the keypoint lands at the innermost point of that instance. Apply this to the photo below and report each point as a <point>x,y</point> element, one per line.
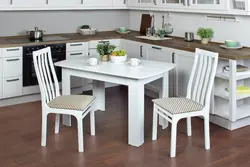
<point>152,38</point>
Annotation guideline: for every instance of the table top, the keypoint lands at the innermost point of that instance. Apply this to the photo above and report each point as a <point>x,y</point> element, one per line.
<point>146,68</point>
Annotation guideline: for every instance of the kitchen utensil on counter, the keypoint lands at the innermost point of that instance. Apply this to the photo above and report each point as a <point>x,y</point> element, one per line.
<point>126,32</point>
<point>145,23</point>
<point>91,31</point>
<point>123,29</point>
<point>168,28</point>
<point>36,34</point>
<point>189,36</point>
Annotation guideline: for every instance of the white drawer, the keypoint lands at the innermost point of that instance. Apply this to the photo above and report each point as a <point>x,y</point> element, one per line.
<point>12,67</point>
<point>12,87</point>
<point>12,52</point>
<point>79,46</point>
<point>76,54</point>
<point>93,44</point>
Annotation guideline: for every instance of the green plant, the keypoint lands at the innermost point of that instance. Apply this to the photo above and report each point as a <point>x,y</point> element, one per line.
<point>162,31</point>
<point>104,48</point>
<point>205,32</point>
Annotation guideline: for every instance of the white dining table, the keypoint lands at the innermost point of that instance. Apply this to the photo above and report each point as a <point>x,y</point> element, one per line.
<point>123,74</point>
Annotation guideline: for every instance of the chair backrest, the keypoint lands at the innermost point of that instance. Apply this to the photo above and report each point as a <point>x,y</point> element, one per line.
<point>202,76</point>
<point>46,74</point>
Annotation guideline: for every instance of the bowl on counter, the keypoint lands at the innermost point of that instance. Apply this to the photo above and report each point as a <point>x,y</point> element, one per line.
<point>231,43</point>
<point>123,29</point>
<point>118,59</point>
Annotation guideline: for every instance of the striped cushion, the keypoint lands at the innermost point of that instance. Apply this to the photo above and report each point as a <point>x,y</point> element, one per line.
<point>71,102</point>
<point>178,105</point>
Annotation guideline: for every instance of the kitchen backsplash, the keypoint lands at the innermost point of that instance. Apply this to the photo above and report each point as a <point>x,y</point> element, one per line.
<point>183,22</point>
<point>17,22</point>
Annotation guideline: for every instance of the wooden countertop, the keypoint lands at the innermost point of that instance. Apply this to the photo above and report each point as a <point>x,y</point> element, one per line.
<point>175,43</point>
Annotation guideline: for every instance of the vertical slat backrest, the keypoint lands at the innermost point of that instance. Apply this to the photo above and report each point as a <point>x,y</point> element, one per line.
<point>46,74</point>
<point>202,76</point>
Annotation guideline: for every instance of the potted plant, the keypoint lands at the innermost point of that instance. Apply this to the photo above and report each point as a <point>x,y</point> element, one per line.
<point>206,34</point>
<point>105,49</point>
<point>118,56</point>
<point>162,33</point>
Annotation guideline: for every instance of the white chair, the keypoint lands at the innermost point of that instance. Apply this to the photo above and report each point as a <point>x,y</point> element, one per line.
<point>196,103</point>
<point>52,102</point>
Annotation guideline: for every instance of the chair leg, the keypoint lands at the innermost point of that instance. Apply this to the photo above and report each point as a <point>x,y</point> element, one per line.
<point>92,123</point>
<point>155,122</point>
<point>57,123</point>
<point>44,129</point>
<point>173,138</point>
<point>189,126</point>
<point>80,134</point>
<point>207,132</point>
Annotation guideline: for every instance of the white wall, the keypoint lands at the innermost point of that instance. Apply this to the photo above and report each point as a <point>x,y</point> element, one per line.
<point>15,23</point>
<point>183,22</point>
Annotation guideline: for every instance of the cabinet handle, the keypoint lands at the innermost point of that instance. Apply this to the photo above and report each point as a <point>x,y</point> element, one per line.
<point>12,80</point>
<point>77,44</point>
<point>188,2</point>
<point>163,1</point>
<point>184,2</point>
<point>155,2</point>
<point>124,2</point>
<point>81,1</point>
<point>15,49</point>
<point>11,1</point>
<point>173,57</point>
<point>73,54</point>
<point>141,51</point>
<point>47,2</point>
<point>12,59</point>
<point>104,41</point>
<point>154,47</point>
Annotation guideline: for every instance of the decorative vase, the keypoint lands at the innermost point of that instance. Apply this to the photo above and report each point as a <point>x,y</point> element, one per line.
<point>205,40</point>
<point>105,58</point>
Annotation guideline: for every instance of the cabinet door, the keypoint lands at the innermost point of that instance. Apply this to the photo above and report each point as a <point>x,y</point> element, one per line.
<point>119,3</point>
<point>208,4</point>
<point>4,3</point>
<point>142,3</point>
<point>172,3</point>
<point>157,53</point>
<point>64,2</point>
<point>97,3</point>
<point>134,49</point>
<point>184,63</point>
<point>28,3</point>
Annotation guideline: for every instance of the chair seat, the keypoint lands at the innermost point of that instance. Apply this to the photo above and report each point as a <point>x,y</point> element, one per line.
<point>71,102</point>
<point>178,105</point>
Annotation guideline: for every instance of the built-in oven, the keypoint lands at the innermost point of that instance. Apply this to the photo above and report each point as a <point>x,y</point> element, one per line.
<point>58,52</point>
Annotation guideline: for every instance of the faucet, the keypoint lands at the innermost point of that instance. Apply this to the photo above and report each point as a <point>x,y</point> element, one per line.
<point>163,22</point>
<point>153,24</point>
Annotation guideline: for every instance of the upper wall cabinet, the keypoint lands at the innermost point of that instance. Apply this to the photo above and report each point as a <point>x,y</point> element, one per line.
<point>208,4</point>
<point>142,3</point>
<point>240,5</point>
<point>97,3</point>
<point>172,3</point>
<point>28,3</point>
<point>64,3</point>
<point>120,3</point>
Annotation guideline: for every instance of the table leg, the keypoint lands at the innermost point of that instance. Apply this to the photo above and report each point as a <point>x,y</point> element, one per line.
<point>66,91</point>
<point>164,93</point>
<point>99,94</point>
<point>136,114</point>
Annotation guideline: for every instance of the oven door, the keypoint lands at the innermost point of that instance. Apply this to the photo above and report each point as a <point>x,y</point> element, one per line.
<point>29,73</point>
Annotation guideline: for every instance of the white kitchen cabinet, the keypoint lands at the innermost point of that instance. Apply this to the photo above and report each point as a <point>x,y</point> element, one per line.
<point>162,54</point>
<point>4,3</point>
<point>142,3</point>
<point>172,3</point>
<point>134,49</point>
<point>239,5</point>
<point>64,3</point>
<point>97,3</point>
<point>120,3</point>
<point>1,76</point>
<point>28,3</point>
<point>208,4</point>
<point>12,67</point>
<point>12,87</point>
<point>184,63</point>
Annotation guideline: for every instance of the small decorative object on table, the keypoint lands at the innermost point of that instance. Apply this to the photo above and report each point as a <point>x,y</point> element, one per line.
<point>118,56</point>
<point>105,49</point>
<point>206,34</point>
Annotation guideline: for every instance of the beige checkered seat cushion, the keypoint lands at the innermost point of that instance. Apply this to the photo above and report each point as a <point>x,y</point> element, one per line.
<point>178,105</point>
<point>71,102</point>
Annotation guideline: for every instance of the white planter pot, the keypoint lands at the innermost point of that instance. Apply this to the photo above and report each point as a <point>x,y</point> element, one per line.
<point>205,40</point>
